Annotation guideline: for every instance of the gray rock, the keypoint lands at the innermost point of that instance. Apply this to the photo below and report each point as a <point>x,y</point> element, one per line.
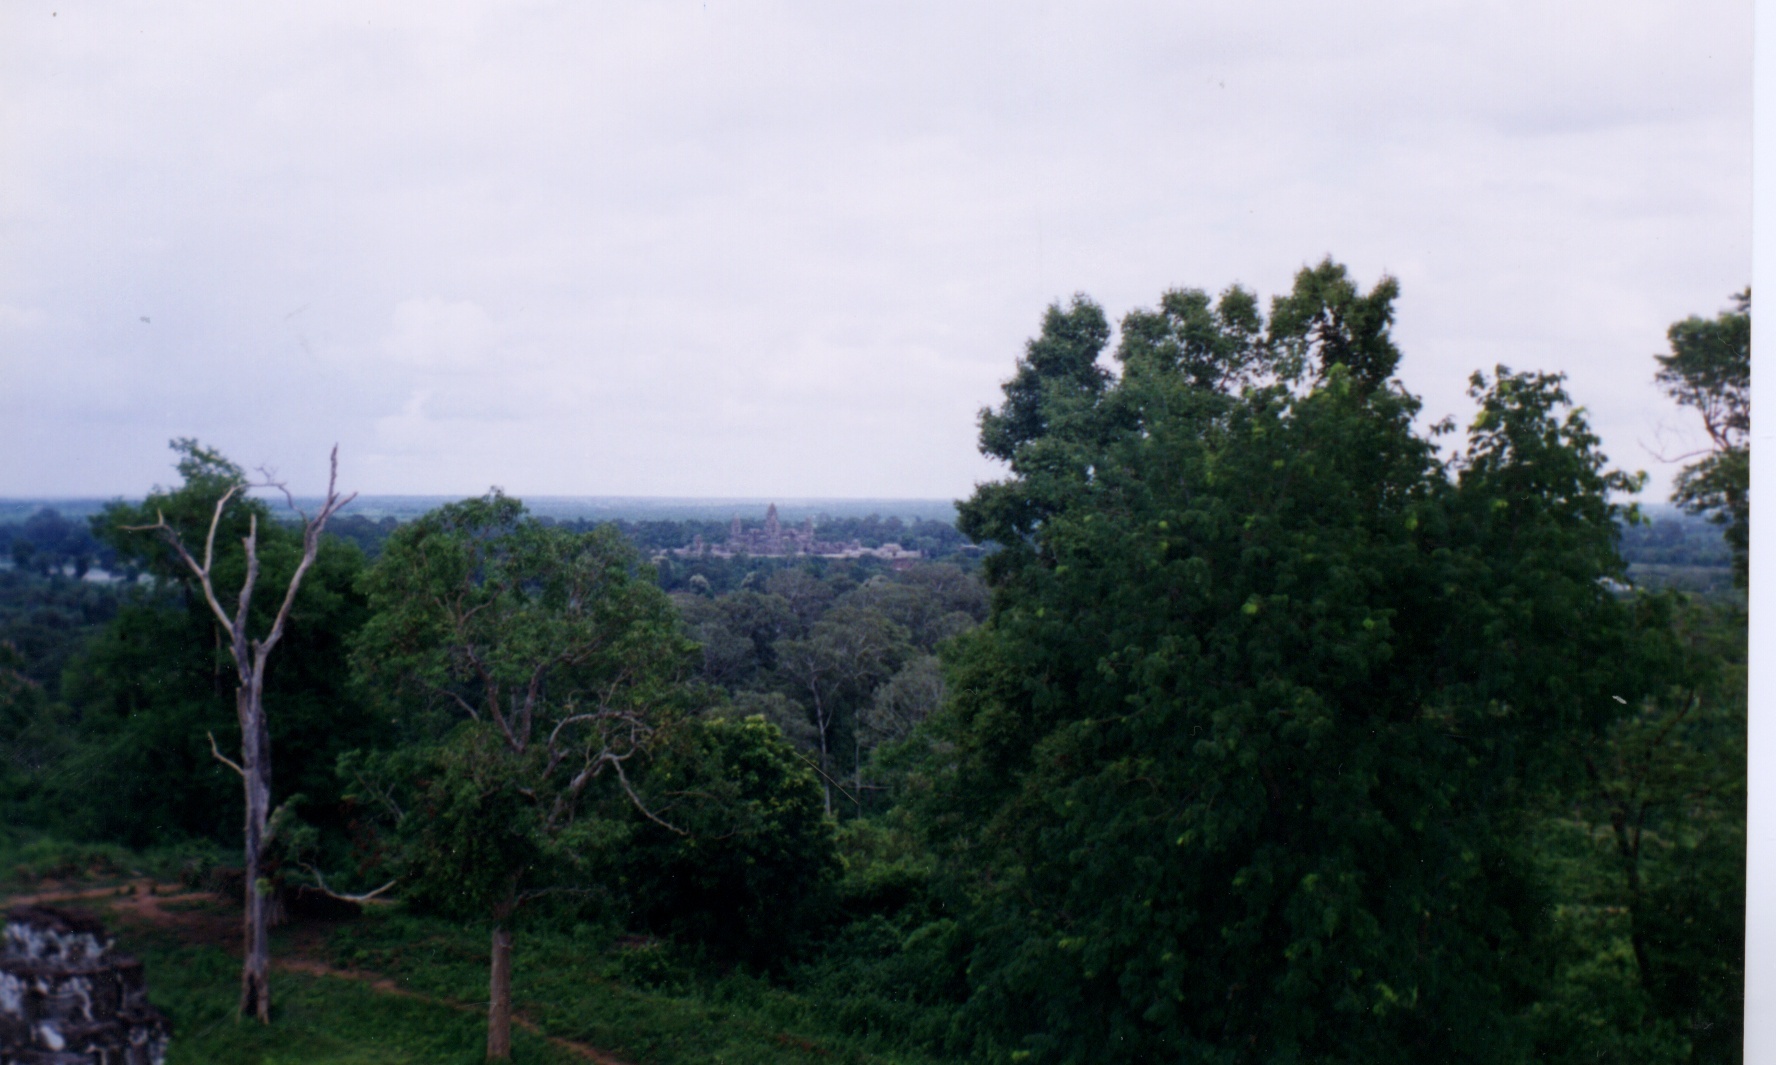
<point>68,998</point>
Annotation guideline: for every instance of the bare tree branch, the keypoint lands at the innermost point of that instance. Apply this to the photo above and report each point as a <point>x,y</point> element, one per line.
<point>224,759</point>
<point>202,572</point>
<point>566,721</point>
<point>321,883</point>
<point>629,789</point>
<point>468,707</point>
<point>840,788</point>
<point>311,537</point>
<point>382,795</point>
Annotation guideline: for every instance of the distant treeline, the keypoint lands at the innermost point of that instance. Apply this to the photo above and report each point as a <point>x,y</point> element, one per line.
<point>1673,538</point>
<point>48,608</point>
<point>49,542</point>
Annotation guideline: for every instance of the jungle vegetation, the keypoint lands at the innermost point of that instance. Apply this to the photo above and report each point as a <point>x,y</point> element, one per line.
<point>1243,719</point>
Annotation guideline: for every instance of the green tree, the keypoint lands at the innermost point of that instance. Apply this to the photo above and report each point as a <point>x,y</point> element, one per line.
<point>1647,859</point>
<point>738,633</point>
<point>906,699</point>
<point>749,875</point>
<point>48,619</point>
<point>930,603</point>
<point>832,673</point>
<point>32,732</point>
<point>563,657</point>
<point>1709,371</point>
<point>1237,768</point>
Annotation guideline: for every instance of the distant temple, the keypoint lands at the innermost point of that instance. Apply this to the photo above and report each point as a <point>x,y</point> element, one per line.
<point>775,541</point>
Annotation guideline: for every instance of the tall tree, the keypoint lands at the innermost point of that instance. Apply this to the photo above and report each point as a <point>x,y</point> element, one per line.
<point>562,657</point>
<point>1236,769</point>
<point>1709,371</point>
<point>251,656</point>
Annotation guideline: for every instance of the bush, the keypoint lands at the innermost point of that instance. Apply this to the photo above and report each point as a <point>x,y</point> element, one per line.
<point>750,877</point>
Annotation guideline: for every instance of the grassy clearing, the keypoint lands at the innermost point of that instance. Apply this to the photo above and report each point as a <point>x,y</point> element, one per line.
<point>638,1002</point>
<point>318,1020</point>
<point>643,1002</point>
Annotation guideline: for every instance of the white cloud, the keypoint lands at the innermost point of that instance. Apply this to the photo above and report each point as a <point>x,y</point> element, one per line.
<point>740,249</point>
<point>19,319</point>
<point>430,333</point>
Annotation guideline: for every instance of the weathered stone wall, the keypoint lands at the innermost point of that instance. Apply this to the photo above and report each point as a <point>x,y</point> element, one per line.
<point>68,998</point>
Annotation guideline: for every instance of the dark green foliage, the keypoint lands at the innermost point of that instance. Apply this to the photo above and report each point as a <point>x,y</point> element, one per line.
<point>1239,768</point>
<point>1327,318</point>
<point>832,673</point>
<point>1059,364</point>
<point>28,731</point>
<point>50,545</point>
<point>27,857</point>
<point>560,663</point>
<point>155,684</point>
<point>47,619</point>
<point>481,611</point>
<point>366,533</point>
<point>1709,371</point>
<point>839,658</point>
<point>1673,538</point>
<point>469,827</point>
<point>931,602</point>
<point>147,690</point>
<point>748,877</point>
<point>1648,860</point>
<point>744,629</point>
<point>658,535</point>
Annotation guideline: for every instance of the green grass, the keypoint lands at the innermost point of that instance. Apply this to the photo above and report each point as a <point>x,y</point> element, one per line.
<point>28,857</point>
<point>316,1020</point>
<point>647,1005</point>
<point>642,1005</point>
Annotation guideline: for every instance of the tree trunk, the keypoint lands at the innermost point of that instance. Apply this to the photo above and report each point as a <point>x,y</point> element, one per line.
<point>1628,846</point>
<point>825,773</point>
<point>249,707</point>
<point>255,998</point>
<point>820,720</point>
<point>499,1005</point>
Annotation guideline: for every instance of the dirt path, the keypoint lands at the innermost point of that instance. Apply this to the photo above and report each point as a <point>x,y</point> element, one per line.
<point>301,949</point>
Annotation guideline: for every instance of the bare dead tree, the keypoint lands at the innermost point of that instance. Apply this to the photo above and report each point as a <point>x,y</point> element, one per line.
<point>250,658</point>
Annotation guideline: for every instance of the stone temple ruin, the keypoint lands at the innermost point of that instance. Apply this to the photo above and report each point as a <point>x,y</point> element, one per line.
<point>66,998</point>
<point>776,540</point>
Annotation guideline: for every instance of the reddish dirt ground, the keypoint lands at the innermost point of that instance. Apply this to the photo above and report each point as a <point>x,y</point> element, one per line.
<point>201,919</point>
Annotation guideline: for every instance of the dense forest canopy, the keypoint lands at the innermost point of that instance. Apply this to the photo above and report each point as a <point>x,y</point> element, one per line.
<point>1240,721</point>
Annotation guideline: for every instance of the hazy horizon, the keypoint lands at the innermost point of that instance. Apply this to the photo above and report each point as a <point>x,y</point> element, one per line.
<point>635,508</point>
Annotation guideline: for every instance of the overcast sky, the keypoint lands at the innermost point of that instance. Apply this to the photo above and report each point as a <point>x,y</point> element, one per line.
<point>768,249</point>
